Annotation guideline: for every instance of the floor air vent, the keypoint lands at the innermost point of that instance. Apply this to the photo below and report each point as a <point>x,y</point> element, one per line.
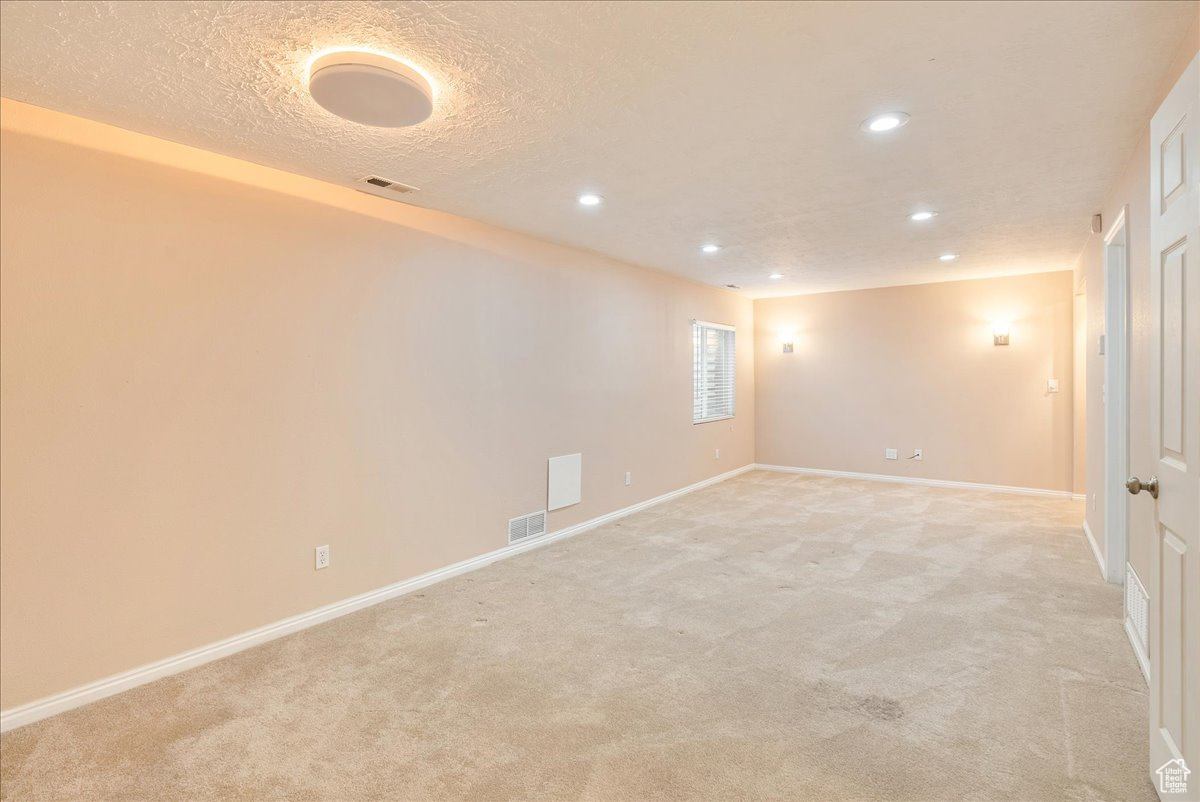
<point>527,526</point>
<point>1136,607</point>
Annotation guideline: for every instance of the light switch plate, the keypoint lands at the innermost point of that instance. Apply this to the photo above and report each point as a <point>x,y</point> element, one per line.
<point>889,453</point>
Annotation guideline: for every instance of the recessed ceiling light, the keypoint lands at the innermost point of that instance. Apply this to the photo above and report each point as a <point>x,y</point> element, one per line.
<point>710,248</point>
<point>370,88</point>
<point>948,257</point>
<point>921,217</point>
<point>590,199</point>
<point>885,122</point>
<point>775,276</point>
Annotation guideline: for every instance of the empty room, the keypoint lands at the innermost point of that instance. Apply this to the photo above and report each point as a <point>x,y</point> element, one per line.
<point>600,401</point>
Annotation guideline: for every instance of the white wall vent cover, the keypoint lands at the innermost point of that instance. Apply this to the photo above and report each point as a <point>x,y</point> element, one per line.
<point>384,186</point>
<point>1137,604</point>
<point>564,485</point>
<point>527,526</point>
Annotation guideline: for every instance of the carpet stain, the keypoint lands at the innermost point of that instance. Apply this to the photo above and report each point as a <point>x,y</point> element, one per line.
<point>881,707</point>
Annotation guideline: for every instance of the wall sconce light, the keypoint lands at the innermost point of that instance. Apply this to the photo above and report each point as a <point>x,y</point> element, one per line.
<point>787,347</point>
<point>999,334</point>
<point>788,338</point>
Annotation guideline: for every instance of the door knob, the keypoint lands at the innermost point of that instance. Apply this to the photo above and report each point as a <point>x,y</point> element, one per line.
<point>1135,485</point>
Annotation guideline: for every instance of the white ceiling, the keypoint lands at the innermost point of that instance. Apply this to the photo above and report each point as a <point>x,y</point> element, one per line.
<point>731,122</point>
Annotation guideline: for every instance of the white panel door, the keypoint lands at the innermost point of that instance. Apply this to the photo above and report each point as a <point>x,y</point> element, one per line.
<point>1175,429</point>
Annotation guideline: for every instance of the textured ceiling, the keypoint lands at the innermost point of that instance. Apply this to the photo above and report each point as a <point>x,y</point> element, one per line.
<point>731,122</point>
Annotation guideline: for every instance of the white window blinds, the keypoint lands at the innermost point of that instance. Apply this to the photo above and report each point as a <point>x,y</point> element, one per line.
<point>712,371</point>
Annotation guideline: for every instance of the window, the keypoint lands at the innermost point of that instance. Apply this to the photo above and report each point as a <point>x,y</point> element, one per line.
<point>712,371</point>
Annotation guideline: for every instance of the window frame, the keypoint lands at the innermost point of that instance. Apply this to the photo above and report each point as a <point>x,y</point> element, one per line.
<point>699,328</point>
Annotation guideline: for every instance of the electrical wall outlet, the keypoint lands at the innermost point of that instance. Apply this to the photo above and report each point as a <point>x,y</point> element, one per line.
<point>718,454</point>
<point>322,559</point>
<point>889,453</point>
<point>918,454</point>
<point>628,478</point>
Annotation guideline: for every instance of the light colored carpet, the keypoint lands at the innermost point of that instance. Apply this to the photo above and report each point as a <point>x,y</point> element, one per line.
<point>771,637</point>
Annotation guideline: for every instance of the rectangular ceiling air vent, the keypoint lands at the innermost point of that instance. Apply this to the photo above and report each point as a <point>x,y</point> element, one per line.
<point>389,185</point>
<point>527,526</point>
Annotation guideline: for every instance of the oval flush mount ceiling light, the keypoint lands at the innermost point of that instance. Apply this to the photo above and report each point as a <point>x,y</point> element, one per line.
<point>370,89</point>
<point>948,257</point>
<point>711,248</point>
<point>775,276</point>
<point>590,199</point>
<point>885,122</point>
<point>921,217</point>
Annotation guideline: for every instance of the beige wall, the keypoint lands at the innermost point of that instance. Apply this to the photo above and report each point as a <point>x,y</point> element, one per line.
<point>915,367</point>
<point>209,368</point>
<point>1131,192</point>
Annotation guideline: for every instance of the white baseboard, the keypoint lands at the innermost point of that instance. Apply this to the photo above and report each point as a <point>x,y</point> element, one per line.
<point>109,686</point>
<point>1091,539</point>
<point>910,480</point>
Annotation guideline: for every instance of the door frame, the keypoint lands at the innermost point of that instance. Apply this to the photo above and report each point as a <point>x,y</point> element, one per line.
<point>1116,398</point>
